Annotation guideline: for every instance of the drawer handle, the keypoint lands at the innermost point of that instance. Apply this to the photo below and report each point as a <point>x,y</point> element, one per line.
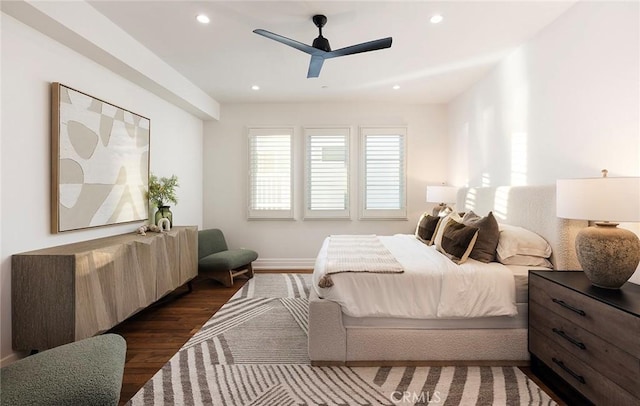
<point>569,338</point>
<point>568,370</point>
<point>566,306</point>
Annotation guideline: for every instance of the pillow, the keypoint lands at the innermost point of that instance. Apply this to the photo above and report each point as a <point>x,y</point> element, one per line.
<point>484,249</point>
<point>426,228</point>
<point>440,229</point>
<point>527,260</point>
<point>516,240</point>
<point>458,241</point>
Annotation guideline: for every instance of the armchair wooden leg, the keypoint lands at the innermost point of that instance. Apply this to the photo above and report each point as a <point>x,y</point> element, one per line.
<point>250,271</point>
<point>227,279</point>
<point>224,277</point>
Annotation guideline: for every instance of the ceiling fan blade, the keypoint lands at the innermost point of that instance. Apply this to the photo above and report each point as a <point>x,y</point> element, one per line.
<point>315,65</point>
<point>288,41</point>
<point>364,47</point>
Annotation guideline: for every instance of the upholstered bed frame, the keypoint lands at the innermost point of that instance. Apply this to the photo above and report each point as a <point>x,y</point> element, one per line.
<point>531,207</point>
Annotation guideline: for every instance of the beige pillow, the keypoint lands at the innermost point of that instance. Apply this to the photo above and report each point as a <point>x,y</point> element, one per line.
<point>457,241</point>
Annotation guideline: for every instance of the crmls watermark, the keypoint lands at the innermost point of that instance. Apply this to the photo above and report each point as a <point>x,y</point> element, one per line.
<point>398,397</point>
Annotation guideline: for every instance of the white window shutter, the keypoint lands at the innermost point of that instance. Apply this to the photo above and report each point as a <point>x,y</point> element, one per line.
<point>270,173</point>
<point>383,173</point>
<point>327,173</point>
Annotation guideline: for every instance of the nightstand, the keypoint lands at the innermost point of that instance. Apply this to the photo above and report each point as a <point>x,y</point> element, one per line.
<point>587,336</point>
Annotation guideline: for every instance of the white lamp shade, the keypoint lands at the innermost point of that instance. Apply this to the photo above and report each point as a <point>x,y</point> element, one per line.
<point>599,199</point>
<point>441,194</point>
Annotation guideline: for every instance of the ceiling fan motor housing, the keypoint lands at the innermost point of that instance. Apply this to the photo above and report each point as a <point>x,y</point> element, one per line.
<point>322,43</point>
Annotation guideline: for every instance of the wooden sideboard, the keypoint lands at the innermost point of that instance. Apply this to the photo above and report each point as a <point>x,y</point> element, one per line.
<point>70,292</point>
<point>585,337</point>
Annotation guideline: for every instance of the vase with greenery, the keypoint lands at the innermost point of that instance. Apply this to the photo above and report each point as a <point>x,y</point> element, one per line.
<point>161,192</point>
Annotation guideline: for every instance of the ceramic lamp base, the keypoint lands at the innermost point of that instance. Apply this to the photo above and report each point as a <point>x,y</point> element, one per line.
<point>608,255</point>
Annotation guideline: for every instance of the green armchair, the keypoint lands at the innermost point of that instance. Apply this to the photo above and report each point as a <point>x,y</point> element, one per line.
<point>218,262</point>
<point>85,372</point>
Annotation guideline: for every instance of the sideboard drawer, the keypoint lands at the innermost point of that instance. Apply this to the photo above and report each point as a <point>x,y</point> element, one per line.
<point>578,374</point>
<point>611,361</point>
<point>622,329</point>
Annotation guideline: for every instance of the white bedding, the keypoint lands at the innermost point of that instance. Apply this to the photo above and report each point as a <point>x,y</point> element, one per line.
<point>431,286</point>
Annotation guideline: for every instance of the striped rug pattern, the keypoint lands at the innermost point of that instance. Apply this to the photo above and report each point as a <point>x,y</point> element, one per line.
<point>253,351</point>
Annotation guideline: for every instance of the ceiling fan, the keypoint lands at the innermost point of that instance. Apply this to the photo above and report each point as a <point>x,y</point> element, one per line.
<point>321,50</point>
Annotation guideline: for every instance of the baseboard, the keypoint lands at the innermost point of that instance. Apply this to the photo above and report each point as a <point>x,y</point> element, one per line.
<point>283,263</point>
<point>10,359</point>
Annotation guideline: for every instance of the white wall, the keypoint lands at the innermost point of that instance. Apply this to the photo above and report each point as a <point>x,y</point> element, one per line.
<point>30,61</point>
<point>296,243</point>
<point>566,104</point>
<point>567,101</point>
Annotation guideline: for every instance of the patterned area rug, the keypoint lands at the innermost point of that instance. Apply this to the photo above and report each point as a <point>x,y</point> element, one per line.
<point>253,351</point>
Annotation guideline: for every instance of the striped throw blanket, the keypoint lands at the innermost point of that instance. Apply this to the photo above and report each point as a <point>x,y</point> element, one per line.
<point>357,253</point>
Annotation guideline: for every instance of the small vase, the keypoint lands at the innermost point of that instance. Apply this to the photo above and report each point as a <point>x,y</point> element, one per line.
<point>164,212</point>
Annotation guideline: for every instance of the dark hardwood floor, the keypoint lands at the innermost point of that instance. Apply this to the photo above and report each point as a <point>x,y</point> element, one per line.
<point>155,334</point>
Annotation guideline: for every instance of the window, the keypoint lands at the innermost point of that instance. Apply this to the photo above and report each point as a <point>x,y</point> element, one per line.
<point>327,173</point>
<point>383,173</point>
<point>270,173</point>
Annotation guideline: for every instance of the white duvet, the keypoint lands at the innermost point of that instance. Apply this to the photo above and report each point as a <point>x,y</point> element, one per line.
<point>432,286</point>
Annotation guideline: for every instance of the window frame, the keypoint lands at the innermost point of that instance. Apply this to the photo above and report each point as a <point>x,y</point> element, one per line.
<point>382,214</point>
<point>326,131</point>
<point>267,214</point>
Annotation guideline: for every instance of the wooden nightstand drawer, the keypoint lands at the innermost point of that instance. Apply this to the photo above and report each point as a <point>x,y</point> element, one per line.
<point>620,366</point>
<point>622,328</point>
<point>578,374</point>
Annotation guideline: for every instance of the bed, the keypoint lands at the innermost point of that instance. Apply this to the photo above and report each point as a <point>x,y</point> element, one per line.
<point>356,327</point>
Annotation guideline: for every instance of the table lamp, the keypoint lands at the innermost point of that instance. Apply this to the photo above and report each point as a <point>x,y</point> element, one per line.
<point>608,255</point>
<point>442,195</point>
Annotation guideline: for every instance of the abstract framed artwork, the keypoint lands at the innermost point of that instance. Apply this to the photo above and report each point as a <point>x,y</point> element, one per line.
<point>100,162</point>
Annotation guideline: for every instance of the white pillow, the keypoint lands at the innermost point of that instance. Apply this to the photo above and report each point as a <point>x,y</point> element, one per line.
<point>516,240</point>
<point>437,241</point>
<point>526,260</point>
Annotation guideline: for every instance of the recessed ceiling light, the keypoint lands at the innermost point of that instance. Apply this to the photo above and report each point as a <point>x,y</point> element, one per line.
<point>436,18</point>
<point>396,87</point>
<point>255,87</point>
<point>203,19</point>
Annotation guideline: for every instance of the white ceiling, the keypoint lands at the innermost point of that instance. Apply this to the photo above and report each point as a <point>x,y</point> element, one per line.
<point>432,63</point>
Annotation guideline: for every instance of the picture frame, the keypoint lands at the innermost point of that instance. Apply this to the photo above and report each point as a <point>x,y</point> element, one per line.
<point>100,162</point>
